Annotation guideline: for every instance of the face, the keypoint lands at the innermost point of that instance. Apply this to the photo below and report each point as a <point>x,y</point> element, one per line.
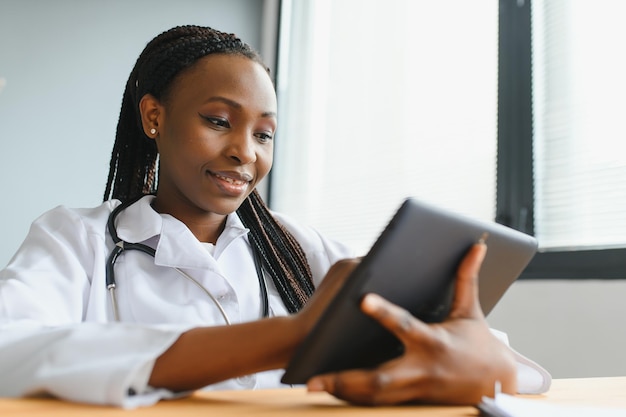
<point>215,139</point>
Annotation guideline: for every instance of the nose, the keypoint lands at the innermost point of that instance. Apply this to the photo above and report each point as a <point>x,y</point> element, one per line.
<point>242,148</point>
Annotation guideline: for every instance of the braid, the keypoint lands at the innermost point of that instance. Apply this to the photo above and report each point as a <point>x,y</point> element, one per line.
<point>281,254</point>
<point>133,170</point>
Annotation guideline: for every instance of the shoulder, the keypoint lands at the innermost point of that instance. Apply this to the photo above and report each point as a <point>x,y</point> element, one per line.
<point>63,218</point>
<point>62,237</point>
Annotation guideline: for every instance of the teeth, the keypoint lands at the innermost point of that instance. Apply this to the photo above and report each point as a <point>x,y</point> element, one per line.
<point>230,180</point>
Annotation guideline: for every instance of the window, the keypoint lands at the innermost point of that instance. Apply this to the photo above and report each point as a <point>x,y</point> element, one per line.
<point>561,139</point>
<point>379,101</point>
<point>485,108</point>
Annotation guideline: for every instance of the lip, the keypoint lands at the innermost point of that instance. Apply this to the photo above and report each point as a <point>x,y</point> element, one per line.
<point>233,183</point>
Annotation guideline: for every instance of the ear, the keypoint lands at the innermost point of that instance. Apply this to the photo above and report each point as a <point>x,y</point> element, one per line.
<point>151,115</point>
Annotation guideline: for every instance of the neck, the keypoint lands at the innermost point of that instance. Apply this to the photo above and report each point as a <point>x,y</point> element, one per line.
<point>206,230</point>
<point>205,226</point>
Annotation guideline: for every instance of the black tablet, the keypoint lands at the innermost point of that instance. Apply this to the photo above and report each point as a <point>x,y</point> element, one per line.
<point>413,264</point>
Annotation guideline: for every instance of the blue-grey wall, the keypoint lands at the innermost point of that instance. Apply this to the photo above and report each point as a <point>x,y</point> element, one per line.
<point>66,63</point>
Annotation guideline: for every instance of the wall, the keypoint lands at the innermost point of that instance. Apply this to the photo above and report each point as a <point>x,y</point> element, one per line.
<point>66,63</point>
<point>573,328</point>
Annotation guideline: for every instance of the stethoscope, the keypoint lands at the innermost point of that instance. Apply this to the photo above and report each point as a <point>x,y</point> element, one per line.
<point>121,246</point>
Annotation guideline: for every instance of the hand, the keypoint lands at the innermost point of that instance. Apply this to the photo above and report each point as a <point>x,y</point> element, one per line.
<point>456,361</point>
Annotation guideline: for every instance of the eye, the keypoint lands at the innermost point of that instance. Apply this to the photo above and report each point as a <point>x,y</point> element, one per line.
<point>264,137</point>
<point>216,121</point>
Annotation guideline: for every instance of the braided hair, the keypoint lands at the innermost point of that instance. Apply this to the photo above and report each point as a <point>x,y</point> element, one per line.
<point>133,170</point>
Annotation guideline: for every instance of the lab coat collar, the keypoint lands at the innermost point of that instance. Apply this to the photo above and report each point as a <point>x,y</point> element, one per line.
<point>139,222</point>
<point>177,247</point>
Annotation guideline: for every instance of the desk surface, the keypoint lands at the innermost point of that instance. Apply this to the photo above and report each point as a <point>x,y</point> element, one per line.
<point>599,392</point>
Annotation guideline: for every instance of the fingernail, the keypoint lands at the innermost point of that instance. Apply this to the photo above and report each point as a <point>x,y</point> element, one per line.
<point>371,301</point>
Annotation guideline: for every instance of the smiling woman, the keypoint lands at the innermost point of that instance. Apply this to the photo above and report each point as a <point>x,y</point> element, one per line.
<point>208,124</point>
<point>194,139</point>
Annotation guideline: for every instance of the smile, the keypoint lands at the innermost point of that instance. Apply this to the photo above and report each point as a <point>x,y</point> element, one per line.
<point>231,180</point>
<point>235,185</point>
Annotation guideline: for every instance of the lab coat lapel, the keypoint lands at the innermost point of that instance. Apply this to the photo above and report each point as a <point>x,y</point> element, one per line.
<point>139,222</point>
<point>179,248</point>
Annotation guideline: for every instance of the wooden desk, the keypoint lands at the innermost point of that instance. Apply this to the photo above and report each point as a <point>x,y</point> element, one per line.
<point>599,392</point>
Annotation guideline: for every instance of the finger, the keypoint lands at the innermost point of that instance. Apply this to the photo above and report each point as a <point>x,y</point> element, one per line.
<point>397,320</point>
<point>350,385</point>
<point>367,387</point>
<point>466,303</point>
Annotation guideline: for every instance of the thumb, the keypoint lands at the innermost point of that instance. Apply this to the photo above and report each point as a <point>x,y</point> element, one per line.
<point>466,303</point>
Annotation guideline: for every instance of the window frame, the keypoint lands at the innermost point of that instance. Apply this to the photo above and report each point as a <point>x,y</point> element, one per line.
<point>514,173</point>
<point>515,190</point>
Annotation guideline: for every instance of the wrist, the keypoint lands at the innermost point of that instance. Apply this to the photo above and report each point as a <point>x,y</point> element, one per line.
<point>294,332</point>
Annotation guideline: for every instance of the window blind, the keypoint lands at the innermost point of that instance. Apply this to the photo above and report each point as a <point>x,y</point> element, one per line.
<point>579,104</point>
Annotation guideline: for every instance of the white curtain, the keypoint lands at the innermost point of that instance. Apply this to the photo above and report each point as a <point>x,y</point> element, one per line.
<point>380,100</point>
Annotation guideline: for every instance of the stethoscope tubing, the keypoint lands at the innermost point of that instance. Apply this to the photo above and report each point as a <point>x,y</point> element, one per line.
<point>121,246</point>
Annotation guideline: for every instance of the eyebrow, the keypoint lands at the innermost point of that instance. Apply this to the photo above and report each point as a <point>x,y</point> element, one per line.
<point>237,105</point>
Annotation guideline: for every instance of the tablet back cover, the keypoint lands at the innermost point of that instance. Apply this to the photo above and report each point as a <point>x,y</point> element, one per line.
<point>413,264</point>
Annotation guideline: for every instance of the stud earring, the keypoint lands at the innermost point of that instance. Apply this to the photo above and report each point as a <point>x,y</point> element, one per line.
<point>153,131</point>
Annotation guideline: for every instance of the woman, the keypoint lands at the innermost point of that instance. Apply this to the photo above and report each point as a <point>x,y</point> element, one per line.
<point>221,291</point>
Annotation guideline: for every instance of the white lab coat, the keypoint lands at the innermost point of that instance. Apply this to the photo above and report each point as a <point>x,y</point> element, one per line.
<point>57,332</point>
